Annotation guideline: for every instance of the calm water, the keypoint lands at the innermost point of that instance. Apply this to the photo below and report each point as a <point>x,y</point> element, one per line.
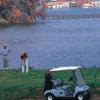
<point>54,43</point>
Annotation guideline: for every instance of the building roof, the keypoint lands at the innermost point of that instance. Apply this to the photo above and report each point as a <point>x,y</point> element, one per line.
<point>54,3</point>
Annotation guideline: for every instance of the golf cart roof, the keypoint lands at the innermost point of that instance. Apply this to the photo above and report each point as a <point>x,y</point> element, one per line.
<point>65,68</point>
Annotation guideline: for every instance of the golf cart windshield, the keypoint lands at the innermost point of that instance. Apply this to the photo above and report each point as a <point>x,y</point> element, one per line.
<point>79,78</point>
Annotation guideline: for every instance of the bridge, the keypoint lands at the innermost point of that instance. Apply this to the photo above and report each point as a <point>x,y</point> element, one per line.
<point>42,14</point>
<point>72,16</point>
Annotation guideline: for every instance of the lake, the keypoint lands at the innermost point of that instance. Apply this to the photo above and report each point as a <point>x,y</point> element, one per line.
<point>55,42</point>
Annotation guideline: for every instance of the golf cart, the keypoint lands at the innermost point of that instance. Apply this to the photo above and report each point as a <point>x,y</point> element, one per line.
<point>60,91</point>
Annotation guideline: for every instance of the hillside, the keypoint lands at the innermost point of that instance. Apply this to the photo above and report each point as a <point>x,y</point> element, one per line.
<point>17,11</point>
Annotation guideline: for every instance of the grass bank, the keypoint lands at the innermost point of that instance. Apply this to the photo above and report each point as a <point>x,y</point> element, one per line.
<point>15,85</point>
<point>3,21</point>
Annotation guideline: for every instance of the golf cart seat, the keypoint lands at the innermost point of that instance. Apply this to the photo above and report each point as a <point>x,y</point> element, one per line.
<point>66,87</point>
<point>57,83</point>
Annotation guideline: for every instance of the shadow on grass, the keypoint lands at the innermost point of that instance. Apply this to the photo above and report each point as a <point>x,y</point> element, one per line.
<point>94,89</point>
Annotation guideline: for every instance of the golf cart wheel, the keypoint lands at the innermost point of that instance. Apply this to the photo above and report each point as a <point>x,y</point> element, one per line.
<point>50,97</point>
<point>80,96</point>
<point>89,94</point>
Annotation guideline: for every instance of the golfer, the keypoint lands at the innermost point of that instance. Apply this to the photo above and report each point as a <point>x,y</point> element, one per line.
<point>5,51</point>
<point>24,60</point>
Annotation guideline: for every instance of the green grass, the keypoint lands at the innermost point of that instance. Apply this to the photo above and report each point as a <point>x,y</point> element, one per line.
<point>14,84</point>
<point>3,23</point>
<point>17,85</point>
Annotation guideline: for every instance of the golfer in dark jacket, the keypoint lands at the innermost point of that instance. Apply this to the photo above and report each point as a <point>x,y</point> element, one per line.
<point>24,59</point>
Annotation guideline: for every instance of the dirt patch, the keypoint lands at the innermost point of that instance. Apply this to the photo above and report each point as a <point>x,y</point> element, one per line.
<point>39,89</point>
<point>36,98</point>
<point>93,97</point>
<point>16,93</point>
<point>98,89</point>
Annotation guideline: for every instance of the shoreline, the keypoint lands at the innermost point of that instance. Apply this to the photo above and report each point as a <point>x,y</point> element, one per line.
<point>3,21</point>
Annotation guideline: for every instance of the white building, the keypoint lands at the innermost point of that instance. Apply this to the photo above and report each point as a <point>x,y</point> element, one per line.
<point>87,5</point>
<point>65,5</point>
<point>96,3</point>
<point>57,5</point>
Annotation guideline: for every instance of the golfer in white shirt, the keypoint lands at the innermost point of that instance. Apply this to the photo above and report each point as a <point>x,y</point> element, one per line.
<point>5,51</point>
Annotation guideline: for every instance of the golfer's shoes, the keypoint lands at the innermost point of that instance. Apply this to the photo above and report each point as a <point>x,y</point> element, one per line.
<point>3,68</point>
<point>7,68</point>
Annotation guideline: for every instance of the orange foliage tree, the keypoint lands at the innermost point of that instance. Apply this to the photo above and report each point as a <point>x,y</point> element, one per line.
<point>2,3</point>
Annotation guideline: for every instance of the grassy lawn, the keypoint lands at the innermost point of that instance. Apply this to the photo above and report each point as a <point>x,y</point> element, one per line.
<point>15,85</point>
